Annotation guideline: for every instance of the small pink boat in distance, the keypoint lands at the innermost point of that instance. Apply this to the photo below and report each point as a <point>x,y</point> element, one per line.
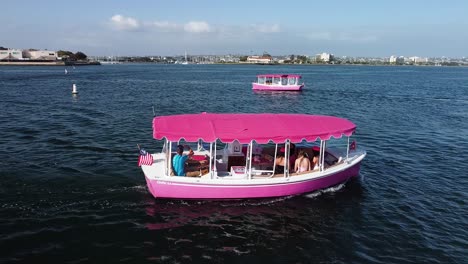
<point>278,82</point>
<point>243,156</point>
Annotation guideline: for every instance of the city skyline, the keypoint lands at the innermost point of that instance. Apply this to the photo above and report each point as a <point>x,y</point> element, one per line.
<point>139,28</point>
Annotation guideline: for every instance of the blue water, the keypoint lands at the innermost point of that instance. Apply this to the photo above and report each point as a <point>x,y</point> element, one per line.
<point>71,191</point>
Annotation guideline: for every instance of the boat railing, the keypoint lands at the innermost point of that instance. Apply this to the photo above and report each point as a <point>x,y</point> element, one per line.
<point>261,172</point>
<point>255,161</point>
<point>265,173</point>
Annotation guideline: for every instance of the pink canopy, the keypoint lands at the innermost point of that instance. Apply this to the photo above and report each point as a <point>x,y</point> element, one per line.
<point>247,127</point>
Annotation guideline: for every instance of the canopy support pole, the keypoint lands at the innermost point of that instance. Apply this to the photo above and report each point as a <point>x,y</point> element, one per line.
<point>321,156</point>
<point>347,150</point>
<point>213,159</point>
<point>169,161</point>
<point>274,160</point>
<point>164,150</point>
<point>286,159</point>
<point>323,145</point>
<point>250,160</point>
<point>211,155</point>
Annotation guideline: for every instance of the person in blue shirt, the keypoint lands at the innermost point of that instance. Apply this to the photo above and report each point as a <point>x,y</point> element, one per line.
<point>179,160</point>
<point>185,165</point>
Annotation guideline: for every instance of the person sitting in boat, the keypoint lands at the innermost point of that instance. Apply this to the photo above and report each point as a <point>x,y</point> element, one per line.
<point>292,155</point>
<point>180,161</point>
<point>302,163</point>
<point>280,162</point>
<point>315,158</point>
<point>280,159</point>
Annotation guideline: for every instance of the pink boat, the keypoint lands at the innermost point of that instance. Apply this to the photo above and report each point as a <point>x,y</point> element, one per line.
<point>278,82</point>
<point>242,150</point>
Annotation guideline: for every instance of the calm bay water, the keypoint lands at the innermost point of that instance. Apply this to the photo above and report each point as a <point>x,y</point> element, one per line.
<point>71,191</point>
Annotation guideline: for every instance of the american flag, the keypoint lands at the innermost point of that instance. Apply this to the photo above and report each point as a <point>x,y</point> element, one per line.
<point>145,158</point>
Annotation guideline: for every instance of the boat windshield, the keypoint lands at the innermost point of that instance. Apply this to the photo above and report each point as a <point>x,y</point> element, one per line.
<point>261,80</point>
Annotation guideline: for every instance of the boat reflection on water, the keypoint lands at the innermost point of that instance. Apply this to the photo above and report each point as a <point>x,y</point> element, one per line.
<point>290,94</point>
<point>204,231</point>
<point>178,213</point>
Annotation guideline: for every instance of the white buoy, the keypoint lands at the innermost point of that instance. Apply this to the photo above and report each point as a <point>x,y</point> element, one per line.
<point>66,71</point>
<point>74,91</point>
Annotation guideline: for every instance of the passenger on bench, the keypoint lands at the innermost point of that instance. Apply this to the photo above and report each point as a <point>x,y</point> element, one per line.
<point>315,158</point>
<point>302,162</point>
<point>280,162</point>
<point>179,161</point>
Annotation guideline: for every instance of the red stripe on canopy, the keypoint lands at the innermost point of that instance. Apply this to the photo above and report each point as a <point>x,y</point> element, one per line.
<point>247,127</point>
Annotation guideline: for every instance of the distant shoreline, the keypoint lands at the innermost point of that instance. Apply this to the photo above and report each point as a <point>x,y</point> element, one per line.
<point>46,63</point>
<point>87,63</point>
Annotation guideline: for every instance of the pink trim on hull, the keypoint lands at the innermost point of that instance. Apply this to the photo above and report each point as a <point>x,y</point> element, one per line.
<point>180,190</point>
<point>264,87</point>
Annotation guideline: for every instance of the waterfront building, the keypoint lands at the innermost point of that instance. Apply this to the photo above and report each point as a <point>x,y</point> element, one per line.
<point>11,54</point>
<point>40,54</point>
<point>259,59</point>
<point>416,59</point>
<point>324,57</point>
<point>396,60</point>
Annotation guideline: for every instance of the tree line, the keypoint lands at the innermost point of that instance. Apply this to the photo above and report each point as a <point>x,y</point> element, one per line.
<point>70,56</point>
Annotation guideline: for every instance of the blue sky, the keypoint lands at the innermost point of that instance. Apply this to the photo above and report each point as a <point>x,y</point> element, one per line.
<point>345,28</point>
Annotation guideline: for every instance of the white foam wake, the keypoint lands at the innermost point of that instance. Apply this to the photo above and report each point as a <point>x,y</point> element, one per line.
<point>326,190</point>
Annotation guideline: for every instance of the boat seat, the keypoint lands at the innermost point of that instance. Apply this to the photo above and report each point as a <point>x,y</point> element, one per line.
<point>199,157</point>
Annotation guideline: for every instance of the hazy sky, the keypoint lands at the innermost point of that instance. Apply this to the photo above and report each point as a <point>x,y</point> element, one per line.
<point>424,28</point>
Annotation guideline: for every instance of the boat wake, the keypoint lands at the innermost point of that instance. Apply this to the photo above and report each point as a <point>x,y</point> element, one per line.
<point>138,188</point>
<point>332,189</point>
<point>252,202</point>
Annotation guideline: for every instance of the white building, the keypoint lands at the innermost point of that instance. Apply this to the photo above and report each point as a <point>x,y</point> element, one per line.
<point>40,54</point>
<point>418,59</point>
<point>258,59</point>
<point>11,54</point>
<point>397,60</point>
<point>324,57</point>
